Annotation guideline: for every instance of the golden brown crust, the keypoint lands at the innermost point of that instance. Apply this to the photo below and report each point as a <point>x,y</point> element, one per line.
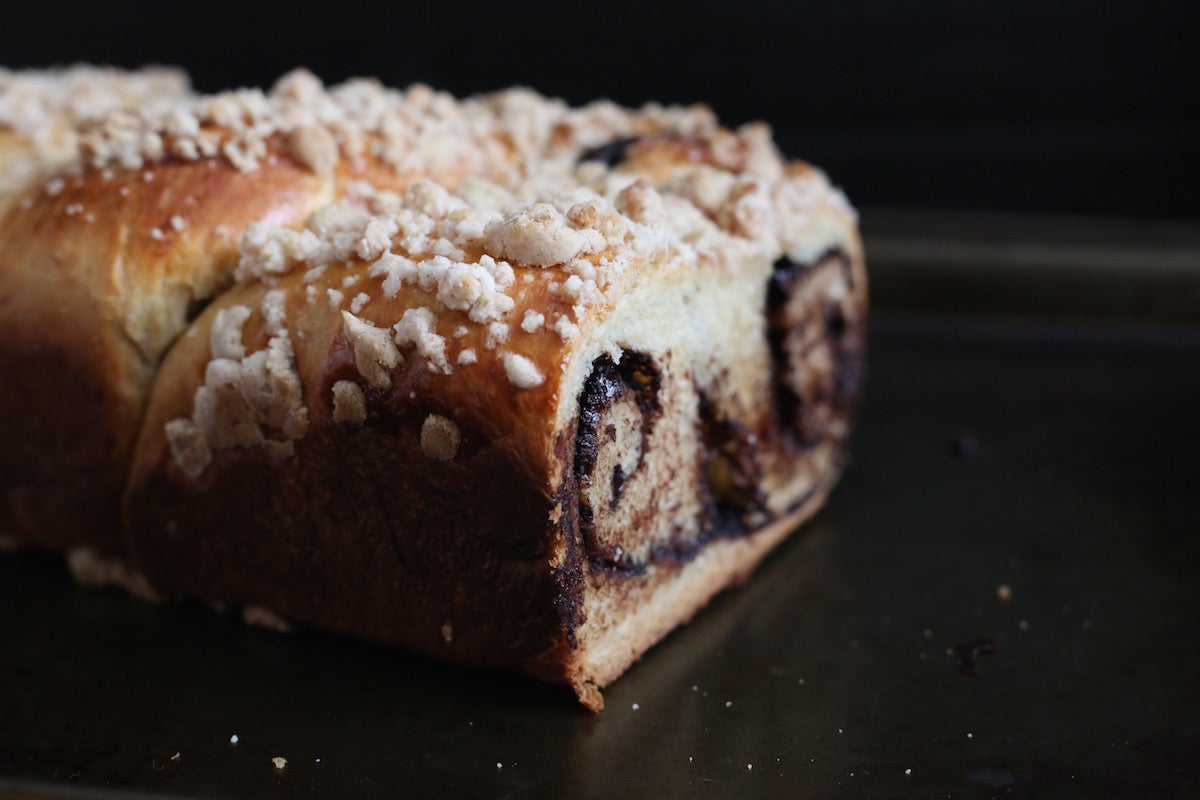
<point>95,283</point>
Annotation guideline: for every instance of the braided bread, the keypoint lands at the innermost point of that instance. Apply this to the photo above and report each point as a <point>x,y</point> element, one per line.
<point>498,380</point>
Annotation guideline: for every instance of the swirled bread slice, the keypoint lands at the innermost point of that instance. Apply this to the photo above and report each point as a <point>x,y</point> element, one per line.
<point>533,426</point>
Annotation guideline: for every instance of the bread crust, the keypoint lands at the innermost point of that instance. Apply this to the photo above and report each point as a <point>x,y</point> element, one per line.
<point>95,283</point>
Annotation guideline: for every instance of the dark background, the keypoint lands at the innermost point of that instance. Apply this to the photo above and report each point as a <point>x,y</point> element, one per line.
<point>1084,107</point>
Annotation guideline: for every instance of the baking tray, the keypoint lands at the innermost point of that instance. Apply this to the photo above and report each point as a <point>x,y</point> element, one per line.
<point>1026,481</point>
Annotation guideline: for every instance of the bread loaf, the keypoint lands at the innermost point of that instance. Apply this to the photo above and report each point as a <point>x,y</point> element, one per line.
<point>498,380</point>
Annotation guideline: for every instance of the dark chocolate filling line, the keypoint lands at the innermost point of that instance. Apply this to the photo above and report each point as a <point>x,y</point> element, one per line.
<point>787,278</point>
<point>730,471</point>
<point>610,154</point>
<point>636,376</point>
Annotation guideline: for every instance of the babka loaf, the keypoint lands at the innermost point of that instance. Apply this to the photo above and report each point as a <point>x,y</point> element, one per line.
<point>501,381</point>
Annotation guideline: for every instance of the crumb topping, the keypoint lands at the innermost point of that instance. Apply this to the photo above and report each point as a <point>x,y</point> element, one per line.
<point>47,108</point>
<point>349,403</point>
<point>375,354</point>
<point>247,400</point>
<point>440,438</point>
<point>522,372</point>
<point>263,617</point>
<point>533,321</point>
<point>515,199</point>
<point>502,136</point>
<point>40,103</point>
<point>418,328</point>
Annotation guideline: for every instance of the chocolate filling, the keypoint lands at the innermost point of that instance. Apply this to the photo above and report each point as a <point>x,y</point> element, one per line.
<point>611,154</point>
<point>636,378</point>
<point>816,349</point>
<point>730,472</point>
<point>802,418</point>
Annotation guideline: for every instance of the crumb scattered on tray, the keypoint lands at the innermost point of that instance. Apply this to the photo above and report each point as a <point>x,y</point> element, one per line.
<point>279,761</point>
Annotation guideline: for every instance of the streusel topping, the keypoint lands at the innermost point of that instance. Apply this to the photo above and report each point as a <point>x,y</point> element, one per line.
<point>558,204</point>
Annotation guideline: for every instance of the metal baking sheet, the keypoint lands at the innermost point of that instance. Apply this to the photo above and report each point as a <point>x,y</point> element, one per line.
<point>1031,484</point>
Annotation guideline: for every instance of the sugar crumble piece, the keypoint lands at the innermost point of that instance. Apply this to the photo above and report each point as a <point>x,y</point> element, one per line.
<point>497,334</point>
<point>538,236</point>
<point>440,438</point>
<point>466,356</point>
<point>335,298</point>
<point>522,372</point>
<point>178,223</point>
<point>315,148</point>
<point>91,568</point>
<point>417,327</point>
<point>157,235</point>
<point>375,353</point>
<point>225,336</point>
<point>234,739</point>
<point>640,202</point>
<point>189,447</point>
<point>261,617</point>
<point>360,300</point>
<point>274,312</point>
<point>565,328</point>
<point>532,321</point>
<point>349,403</point>
<point>280,762</point>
